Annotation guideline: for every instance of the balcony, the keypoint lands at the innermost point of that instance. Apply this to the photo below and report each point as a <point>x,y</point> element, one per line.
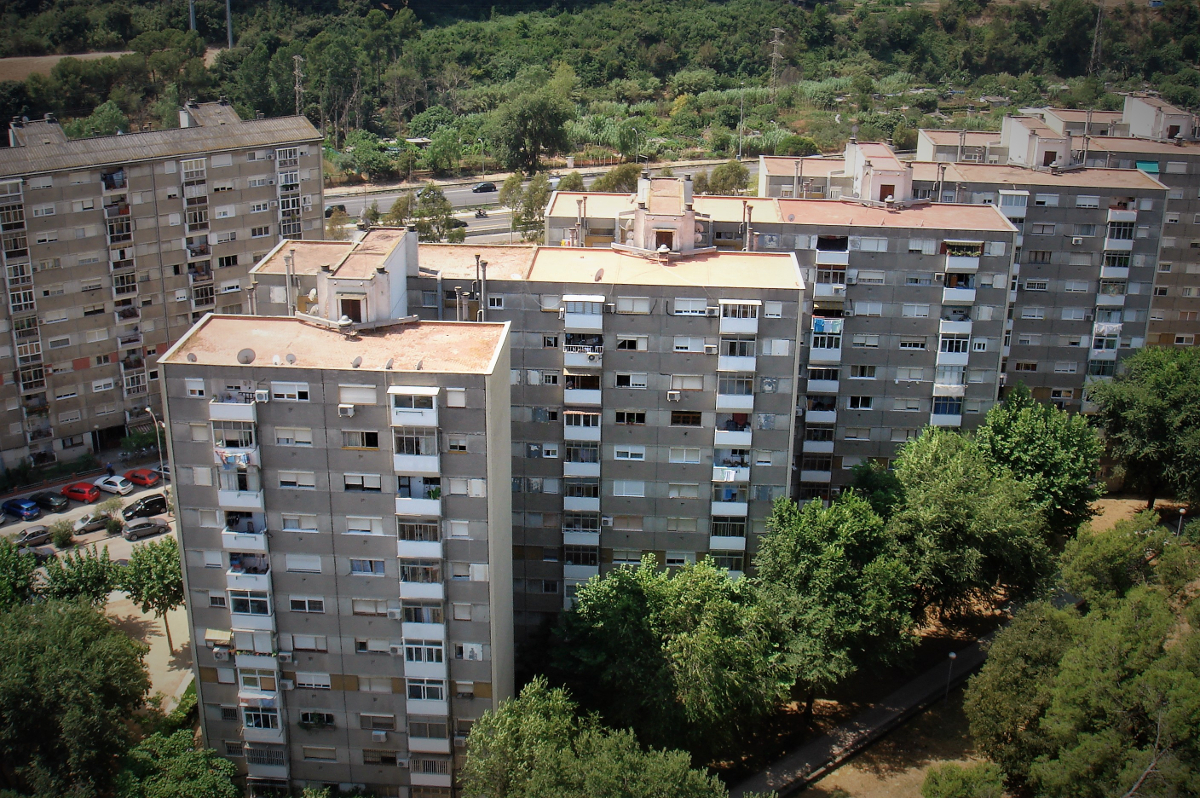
<point>232,540</point>
<point>581,504</point>
<point>730,402</point>
<point>233,407</point>
<point>823,386</point>
<point>243,500</point>
<point>726,543</point>
<point>1103,354</point>
<point>943,420</point>
<point>423,590</point>
<point>252,735</point>
<point>114,181</point>
<point>581,469</point>
<point>429,745</point>
<point>821,417</point>
<point>953,358</point>
<point>958,296</point>
<point>1110,300</point>
<point>581,573</point>
<point>414,406</point>
<point>579,432</point>
<point>577,396</point>
<point>198,251</point>
<point>1114,272</point>
<point>730,508</point>
<point>583,313</point>
<point>129,339</point>
<point>263,661</point>
<point>954,327</point>
<point>822,354</point>
<point>734,437</point>
<point>1121,215</point>
<point>425,706</point>
<point>817,447</point>
<point>261,770</point>
<point>735,325</point>
<point>832,257</point>
<point>237,456</point>
<point>576,538</point>
<point>250,697</point>
<point>422,464</point>
<point>419,549</point>
<point>947,389</point>
<point>576,356</point>
<point>430,779</point>
<point>816,476</point>
<point>962,263</point>
<point>426,670</point>
<point>736,363</point>
<point>128,313</point>
<point>829,291</point>
<point>250,576</point>
<point>1118,244</point>
<point>731,473</point>
<point>429,506</point>
<point>423,631</point>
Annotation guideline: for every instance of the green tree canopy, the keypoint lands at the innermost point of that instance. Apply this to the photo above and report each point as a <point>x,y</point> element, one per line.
<point>18,575</point>
<point>731,177</point>
<point>1151,418</point>
<point>981,780</point>
<point>69,682</point>
<point>535,745</point>
<point>1054,452</point>
<point>528,127</point>
<point>876,483</point>
<point>833,580</point>
<point>965,531</point>
<point>682,657</point>
<point>154,579</point>
<point>621,179</point>
<point>572,181</point>
<point>84,573</point>
<point>172,767</point>
<point>434,215</point>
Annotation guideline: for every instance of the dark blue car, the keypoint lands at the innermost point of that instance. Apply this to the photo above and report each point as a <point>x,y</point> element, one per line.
<point>21,509</point>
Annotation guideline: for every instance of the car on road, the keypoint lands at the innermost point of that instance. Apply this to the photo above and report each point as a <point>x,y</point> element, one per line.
<point>145,507</point>
<point>145,528</point>
<point>146,477</point>
<point>329,209</point>
<point>32,536</point>
<point>483,188</point>
<point>50,502</point>
<point>43,554</point>
<point>82,492</point>
<point>91,523</point>
<point>164,471</point>
<point>457,223</point>
<point>114,484</point>
<point>21,509</point>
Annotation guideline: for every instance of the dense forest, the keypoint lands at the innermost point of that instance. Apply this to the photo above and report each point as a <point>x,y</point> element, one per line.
<point>655,78</point>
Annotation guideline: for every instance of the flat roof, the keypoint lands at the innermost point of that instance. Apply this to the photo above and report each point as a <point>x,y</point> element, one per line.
<point>352,260</point>
<point>1037,126</point>
<point>442,347</point>
<point>1159,103</point>
<point>1076,115</point>
<point>723,269</point>
<point>974,138</point>
<point>1125,144</point>
<point>457,261</point>
<point>876,152</point>
<point>563,204</point>
<point>360,263</point>
<point>1090,177</point>
<point>934,216</point>
<point>814,166</point>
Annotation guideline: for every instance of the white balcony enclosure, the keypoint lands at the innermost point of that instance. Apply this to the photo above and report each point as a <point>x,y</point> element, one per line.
<point>237,580</point>
<point>252,623</point>
<point>234,456</point>
<point>735,402</point>
<point>574,433</point>
<point>829,291</point>
<point>942,420</point>
<point>426,465</point>
<point>259,661</point>
<point>730,473</point>
<point>576,396</point>
<point>421,549</point>
<point>816,476</point>
<point>240,500</point>
<point>423,631</point>
<point>823,386</point>
<point>1118,244</point>
<point>1103,354</point>
<point>581,469</point>
<point>954,327</point>
<point>735,438</point>
<point>817,447</point>
<point>581,538</point>
<point>429,745</point>
<point>252,735</point>
<point>248,697</point>
<point>1114,272</point>
<point>832,258</point>
<point>422,590</point>
<point>953,358</point>
<point>725,543</point>
<point>413,416</point>
<point>581,573</point>
<point>583,322</point>
<point>1118,215</point>
<point>425,670</point>
<point>732,363</point>
<point>425,706</point>
<point>821,416</point>
<point>581,504</point>
<point>731,326</point>
<point>243,541</point>
<point>429,507</point>
<point>1110,300</point>
<point>962,263</point>
<point>822,355</point>
<point>410,417</point>
<point>941,389</point>
<point>430,779</point>
<point>730,508</point>
<point>958,296</point>
<point>582,360</point>
<point>232,411</point>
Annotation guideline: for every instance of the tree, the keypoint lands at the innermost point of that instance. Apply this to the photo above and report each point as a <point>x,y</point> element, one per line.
<point>366,155</point>
<point>529,126</point>
<point>111,507</point>
<point>621,179</point>
<point>1151,418</point>
<point>684,658</point>
<point>335,226</point>
<point>69,682</point>
<point>172,767</point>
<point>535,745</point>
<point>443,153</point>
<point>729,178</point>
<point>533,208</point>
<point>1053,452</point>
<point>154,579</point>
<point>84,573</point>
<point>572,181</point>
<point>372,213</point>
<point>965,531</point>
<point>878,485</point>
<point>434,215</point>
<point>981,780</point>
<point>18,575</point>
<point>62,533</point>
<point>106,120</point>
<point>1102,566</point>
<point>401,211</point>
<point>833,580</point>
<point>797,146</point>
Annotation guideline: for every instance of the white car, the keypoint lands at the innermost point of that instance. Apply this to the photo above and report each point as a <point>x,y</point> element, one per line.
<point>118,485</point>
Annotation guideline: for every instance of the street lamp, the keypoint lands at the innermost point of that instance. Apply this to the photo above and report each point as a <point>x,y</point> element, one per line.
<point>1179,529</point>
<point>949,674</point>
<point>482,156</point>
<point>635,144</point>
<point>741,119</point>
<point>157,439</point>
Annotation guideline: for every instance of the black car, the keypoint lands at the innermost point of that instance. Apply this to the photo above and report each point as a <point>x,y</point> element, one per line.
<point>50,502</point>
<point>43,554</point>
<point>329,209</point>
<point>146,506</point>
<point>457,223</point>
<point>483,188</point>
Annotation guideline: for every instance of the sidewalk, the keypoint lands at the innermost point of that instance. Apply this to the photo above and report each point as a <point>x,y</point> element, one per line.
<point>818,757</point>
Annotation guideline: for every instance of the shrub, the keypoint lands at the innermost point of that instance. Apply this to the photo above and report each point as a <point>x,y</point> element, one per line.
<point>114,526</point>
<point>62,534</point>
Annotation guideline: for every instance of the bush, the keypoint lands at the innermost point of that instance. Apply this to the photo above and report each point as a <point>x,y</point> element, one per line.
<point>111,507</point>
<point>981,780</point>
<point>114,526</point>
<point>62,534</point>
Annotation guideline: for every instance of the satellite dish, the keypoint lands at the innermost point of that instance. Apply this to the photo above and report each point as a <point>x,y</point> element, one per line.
<point>246,357</point>
<point>291,359</point>
<point>791,217</point>
<point>599,275</point>
<point>854,130</point>
<point>312,295</point>
<point>388,365</point>
<point>420,364</point>
<point>191,356</point>
<point>356,362</point>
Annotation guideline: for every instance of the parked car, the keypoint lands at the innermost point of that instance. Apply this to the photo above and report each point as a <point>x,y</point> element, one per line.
<point>165,471</point>
<point>50,502</point>
<point>145,477</point>
<point>144,528</point>
<point>82,492</point>
<point>329,209</point>
<point>90,523</point>
<point>21,509</point>
<point>483,188</point>
<point>146,506</point>
<point>118,485</point>
<point>43,554</point>
<point>32,536</point>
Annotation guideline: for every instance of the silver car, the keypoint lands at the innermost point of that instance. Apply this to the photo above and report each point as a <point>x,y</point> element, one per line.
<point>144,528</point>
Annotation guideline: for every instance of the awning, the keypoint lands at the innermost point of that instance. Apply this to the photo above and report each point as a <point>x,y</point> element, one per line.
<point>1150,167</point>
<point>583,298</point>
<point>740,301</point>
<point>217,636</point>
<point>414,390</point>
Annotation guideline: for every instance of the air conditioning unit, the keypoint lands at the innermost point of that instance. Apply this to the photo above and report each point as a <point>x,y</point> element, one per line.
<point>346,411</point>
<point>593,357</point>
<point>274,203</point>
<point>284,656</point>
<point>270,156</point>
<point>287,684</point>
<point>396,615</point>
<point>460,740</point>
<point>710,349</point>
<point>379,736</point>
<point>610,307</point>
<point>606,520</point>
<point>220,654</point>
<point>673,396</point>
<point>712,311</point>
<point>271,182</point>
<point>1077,240</point>
<point>262,396</point>
<point>396,649</point>
<point>851,280</point>
<point>848,312</point>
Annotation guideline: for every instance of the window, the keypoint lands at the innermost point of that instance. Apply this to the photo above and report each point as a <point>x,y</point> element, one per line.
<point>630,417</point>
<point>637,381</point>
<point>1037,285</point>
<point>629,487</point>
<point>1025,367</point>
<point>911,343</point>
<point>260,718</point>
<point>690,306</point>
<point>683,418</point>
<point>684,454</point>
<point>735,384</point>
<point>916,311</point>
<point>367,567</point>
<point>947,405</point>
<point>870,308</point>
<point>624,453</point>
<point>305,480</point>
<point>289,391</point>
<point>1065,367</point>
<point>249,602</point>
<point>260,232</point>
<point>1032,312</point>
<point>293,436</point>
<point>687,382</point>
<point>773,310</point>
<point>859,402</point>
<point>862,372</point>
<point>426,689</point>
<point>496,302</point>
<point>633,304</point>
<point>295,522</point>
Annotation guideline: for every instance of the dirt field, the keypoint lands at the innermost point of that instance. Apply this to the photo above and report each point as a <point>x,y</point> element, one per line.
<point>22,67</point>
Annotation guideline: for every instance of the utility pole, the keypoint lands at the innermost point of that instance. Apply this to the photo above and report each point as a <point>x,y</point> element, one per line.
<point>298,74</point>
<point>192,13</point>
<point>229,23</point>
<point>1097,45</point>
<point>741,119</point>
<point>776,59</point>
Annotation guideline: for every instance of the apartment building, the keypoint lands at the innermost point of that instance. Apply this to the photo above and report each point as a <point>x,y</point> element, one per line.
<point>653,387</point>
<point>351,600</point>
<point>114,246</point>
<point>905,306</point>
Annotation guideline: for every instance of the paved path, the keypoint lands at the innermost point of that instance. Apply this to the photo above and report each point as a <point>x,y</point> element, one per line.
<point>817,758</point>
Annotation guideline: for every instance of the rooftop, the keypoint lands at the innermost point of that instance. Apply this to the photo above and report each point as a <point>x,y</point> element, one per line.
<point>1037,126</point>
<point>352,260</point>
<point>724,269</point>
<point>442,347</point>
<point>1077,178</point>
<point>973,138</point>
<point>932,216</point>
<point>1147,146</point>
<point>880,155</point>
<point>457,261</point>
<point>812,166</point>
<point>609,206</point>
<point>1077,115</point>
<point>91,153</point>
<point>1159,103</point>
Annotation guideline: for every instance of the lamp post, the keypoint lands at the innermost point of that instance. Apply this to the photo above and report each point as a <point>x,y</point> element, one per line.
<point>949,675</point>
<point>635,144</point>
<point>482,157</point>
<point>741,119</point>
<point>1179,528</point>
<point>157,439</point>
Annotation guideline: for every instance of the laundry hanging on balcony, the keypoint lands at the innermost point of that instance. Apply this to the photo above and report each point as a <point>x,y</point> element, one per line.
<point>232,460</point>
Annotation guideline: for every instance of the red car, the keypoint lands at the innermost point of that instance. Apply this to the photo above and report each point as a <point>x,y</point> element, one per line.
<point>143,476</point>
<point>82,492</point>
